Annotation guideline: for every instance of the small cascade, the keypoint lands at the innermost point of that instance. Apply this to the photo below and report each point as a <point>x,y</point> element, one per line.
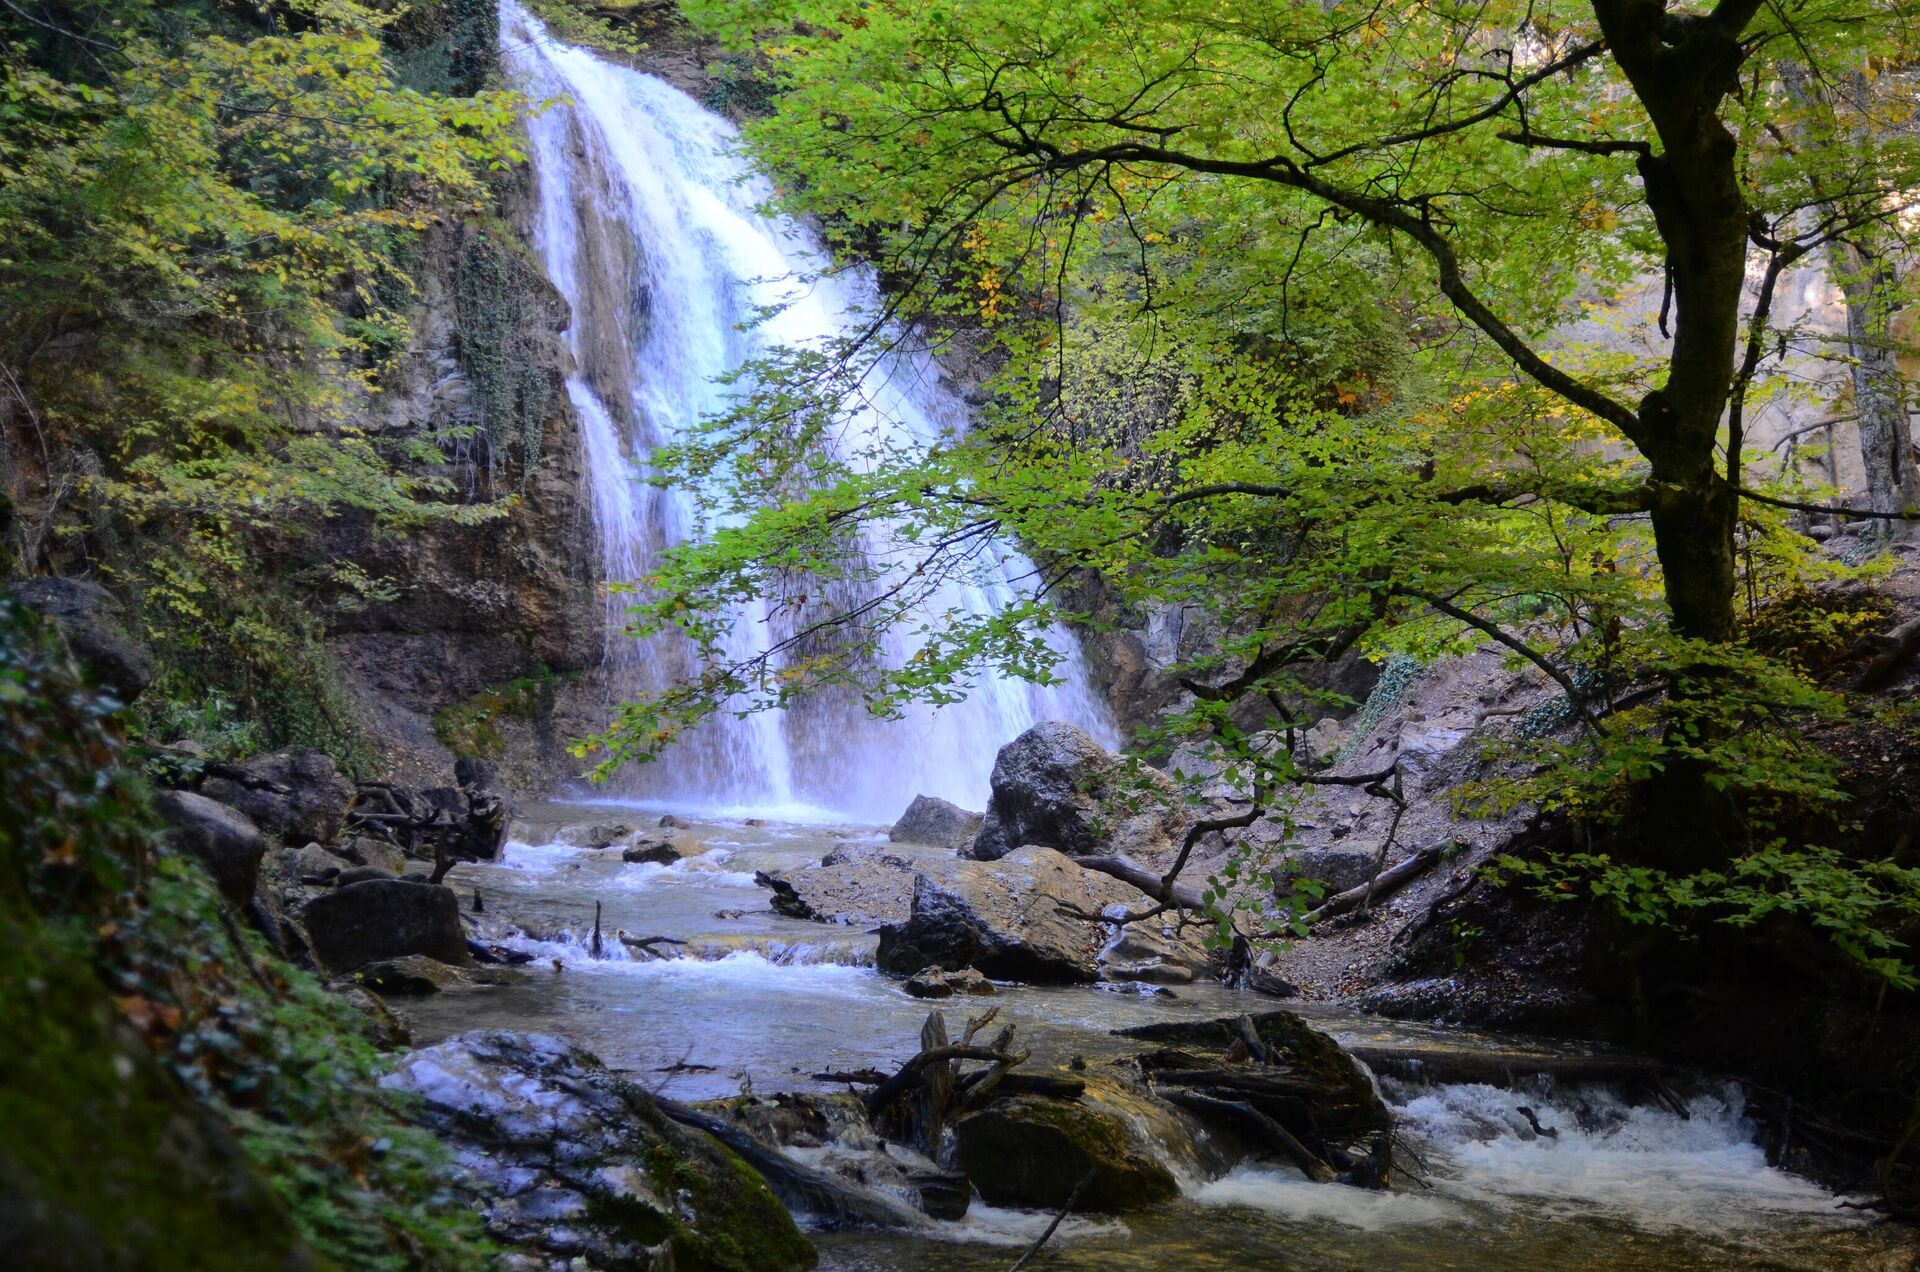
<point>647,223</point>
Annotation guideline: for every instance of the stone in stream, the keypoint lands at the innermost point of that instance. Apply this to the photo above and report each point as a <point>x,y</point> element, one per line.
<point>385,918</point>
<point>931,982</point>
<point>1033,1151</point>
<point>411,974</point>
<point>1055,786</point>
<point>861,884</point>
<point>661,848</point>
<point>222,839</point>
<point>1005,918</point>
<point>935,821</point>
<point>570,1161</point>
<point>593,835</point>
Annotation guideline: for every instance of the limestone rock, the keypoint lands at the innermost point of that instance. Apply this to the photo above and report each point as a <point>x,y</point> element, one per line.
<point>385,918</point>
<point>935,821</point>
<point>931,982</point>
<point>1055,786</point>
<point>594,835</point>
<point>860,884</point>
<point>94,625</point>
<point>1001,918</point>
<point>223,840</point>
<point>296,795</point>
<point>1335,869</point>
<point>572,1161</point>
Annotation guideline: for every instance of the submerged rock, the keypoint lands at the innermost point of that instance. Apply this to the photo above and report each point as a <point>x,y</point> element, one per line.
<point>385,918</point>
<point>594,835</point>
<point>1005,918</point>
<point>222,839</point>
<point>1055,786</point>
<point>935,821</point>
<point>409,975</point>
<point>572,1161</point>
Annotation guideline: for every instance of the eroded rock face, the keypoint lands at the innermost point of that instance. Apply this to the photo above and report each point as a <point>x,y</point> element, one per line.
<point>94,624</point>
<point>1055,786</point>
<point>220,838</point>
<point>576,1163</point>
<point>935,821</point>
<point>1005,919</point>
<point>298,796</point>
<point>384,919</point>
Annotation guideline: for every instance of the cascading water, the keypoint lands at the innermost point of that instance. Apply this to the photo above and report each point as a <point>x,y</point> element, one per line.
<point>647,224</point>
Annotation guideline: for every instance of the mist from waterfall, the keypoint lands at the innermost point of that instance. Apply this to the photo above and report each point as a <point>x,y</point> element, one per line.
<point>646,222</point>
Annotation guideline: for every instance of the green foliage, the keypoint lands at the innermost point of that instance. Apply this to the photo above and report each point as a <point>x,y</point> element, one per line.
<point>498,296</point>
<point>260,1047</point>
<point>473,727</point>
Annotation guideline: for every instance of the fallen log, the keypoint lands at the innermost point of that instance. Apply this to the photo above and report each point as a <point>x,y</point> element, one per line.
<point>1382,885</point>
<point>1263,1129</point>
<point>1178,894</point>
<point>1895,648</point>
<point>894,1087</point>
<point>1501,1066</point>
<point>645,944</point>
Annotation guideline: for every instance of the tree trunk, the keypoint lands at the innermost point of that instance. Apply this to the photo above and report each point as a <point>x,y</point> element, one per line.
<point>1886,438</point>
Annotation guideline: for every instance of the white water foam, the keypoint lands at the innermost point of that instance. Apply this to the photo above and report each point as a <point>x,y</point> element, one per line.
<point>1645,1165</point>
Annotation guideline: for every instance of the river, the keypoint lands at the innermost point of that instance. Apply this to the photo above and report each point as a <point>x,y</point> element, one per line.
<point>761,1002</point>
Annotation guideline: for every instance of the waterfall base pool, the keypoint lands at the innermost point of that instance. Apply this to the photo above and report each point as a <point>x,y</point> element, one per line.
<point>762,1002</point>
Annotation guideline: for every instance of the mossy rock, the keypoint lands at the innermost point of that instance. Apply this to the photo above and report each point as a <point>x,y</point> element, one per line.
<point>1034,1151</point>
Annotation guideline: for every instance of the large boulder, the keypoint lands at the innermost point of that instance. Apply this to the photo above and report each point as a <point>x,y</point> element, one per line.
<point>1056,787</point>
<point>576,1163</point>
<point>383,919</point>
<point>297,795</point>
<point>94,625</point>
<point>220,838</point>
<point>935,821</point>
<point>861,884</point>
<point>1010,920</point>
<point>1032,1151</point>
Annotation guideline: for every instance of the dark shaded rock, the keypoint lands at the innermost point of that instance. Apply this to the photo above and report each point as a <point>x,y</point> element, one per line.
<point>379,1025</point>
<point>385,918</point>
<point>1005,918</point>
<point>296,795</point>
<point>220,838</point>
<point>943,1194</point>
<point>474,773</point>
<point>1033,1151</point>
<point>94,625</point>
<point>934,983</point>
<point>411,974</point>
<point>361,874</point>
<point>662,848</point>
<point>935,821</point>
<point>1055,786</point>
<point>673,821</point>
<point>573,1161</point>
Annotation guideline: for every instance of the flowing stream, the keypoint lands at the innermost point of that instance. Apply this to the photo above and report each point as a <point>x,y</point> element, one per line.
<point>646,221</point>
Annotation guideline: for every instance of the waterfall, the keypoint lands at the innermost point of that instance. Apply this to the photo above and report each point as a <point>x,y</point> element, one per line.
<point>646,222</point>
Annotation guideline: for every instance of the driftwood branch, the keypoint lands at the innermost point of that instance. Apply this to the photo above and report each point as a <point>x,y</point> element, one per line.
<point>1381,886</point>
